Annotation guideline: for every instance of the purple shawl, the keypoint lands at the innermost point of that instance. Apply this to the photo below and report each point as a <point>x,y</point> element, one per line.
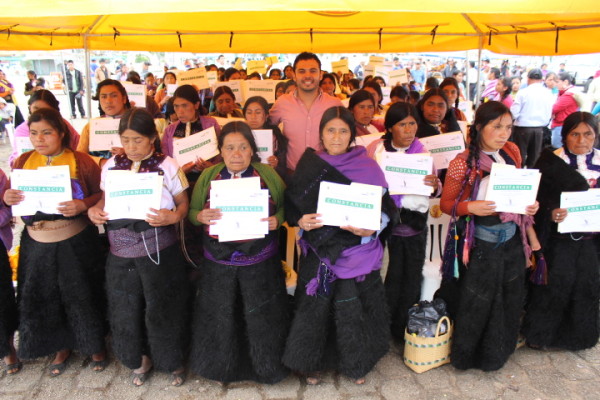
<point>358,261</point>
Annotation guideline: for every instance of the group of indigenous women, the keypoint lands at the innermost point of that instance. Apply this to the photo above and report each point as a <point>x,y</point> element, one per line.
<point>234,322</point>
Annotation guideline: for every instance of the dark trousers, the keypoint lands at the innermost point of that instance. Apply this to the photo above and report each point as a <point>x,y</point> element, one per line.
<point>529,141</point>
<point>79,99</point>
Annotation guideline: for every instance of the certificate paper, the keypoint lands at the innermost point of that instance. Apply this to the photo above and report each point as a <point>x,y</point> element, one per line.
<point>131,195</point>
<point>199,145</point>
<point>136,93</point>
<point>357,205</point>
<point>195,77</point>
<point>583,211</point>
<point>23,144</point>
<point>398,76</point>
<point>405,172</point>
<point>512,189</point>
<point>43,189</point>
<point>236,88</point>
<point>104,134</point>
<point>264,142</point>
<point>444,147</point>
<point>171,88</point>
<point>265,89</point>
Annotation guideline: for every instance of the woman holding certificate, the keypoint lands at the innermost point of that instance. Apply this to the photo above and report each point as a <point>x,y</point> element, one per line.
<point>409,238</point>
<point>61,274</point>
<point>436,116</point>
<point>362,105</point>
<point>225,105</point>
<point>146,280</point>
<point>486,251</point>
<point>240,313</point>
<point>341,321</point>
<point>563,312</point>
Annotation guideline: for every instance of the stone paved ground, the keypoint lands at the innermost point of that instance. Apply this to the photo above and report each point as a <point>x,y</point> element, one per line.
<point>528,375</point>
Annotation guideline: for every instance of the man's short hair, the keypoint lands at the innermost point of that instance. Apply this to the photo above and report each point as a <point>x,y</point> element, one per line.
<point>305,55</point>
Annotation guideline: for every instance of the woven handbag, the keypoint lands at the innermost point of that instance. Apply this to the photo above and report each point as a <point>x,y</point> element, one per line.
<point>424,353</point>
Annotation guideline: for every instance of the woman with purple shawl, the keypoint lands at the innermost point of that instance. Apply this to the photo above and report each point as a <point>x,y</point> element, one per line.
<point>341,321</point>
<point>408,240</point>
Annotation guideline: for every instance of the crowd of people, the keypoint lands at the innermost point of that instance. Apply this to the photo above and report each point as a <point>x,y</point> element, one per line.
<point>171,296</point>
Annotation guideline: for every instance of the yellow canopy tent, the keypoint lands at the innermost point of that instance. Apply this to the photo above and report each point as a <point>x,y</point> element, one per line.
<point>520,27</point>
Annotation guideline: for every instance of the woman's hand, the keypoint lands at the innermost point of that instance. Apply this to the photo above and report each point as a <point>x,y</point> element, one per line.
<point>558,215</point>
<point>273,223</point>
<point>208,215</point>
<point>431,180</point>
<point>162,217</point>
<point>358,231</point>
<point>532,209</point>
<point>13,197</point>
<point>97,215</point>
<point>71,208</point>
<point>308,222</point>
<point>481,208</point>
<point>273,161</point>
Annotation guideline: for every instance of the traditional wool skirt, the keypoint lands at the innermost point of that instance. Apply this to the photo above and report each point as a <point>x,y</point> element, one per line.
<point>564,313</point>
<point>61,295</point>
<point>8,305</point>
<point>240,322</point>
<point>148,303</point>
<point>490,305</point>
<point>347,330</point>
<point>404,278</point>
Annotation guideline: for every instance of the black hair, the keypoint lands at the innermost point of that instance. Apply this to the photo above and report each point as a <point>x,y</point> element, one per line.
<point>359,96</point>
<point>396,113</point>
<point>257,99</point>
<point>273,70</point>
<point>119,86</point>
<point>46,96</point>
<point>379,78</point>
<point>337,112</point>
<point>486,113</point>
<point>574,119</point>
<point>507,82</point>
<point>149,74</point>
<point>414,95</point>
<point>134,77</point>
<point>56,121</point>
<point>281,85</point>
<point>452,82</point>
<point>229,72</point>
<point>289,83</point>
<point>432,83</point>
<point>169,73</point>
<point>400,92</point>
<point>565,76</point>
<point>189,93</point>
<point>376,87</point>
<point>354,83</point>
<point>430,93</point>
<point>496,72</point>
<point>170,109</point>
<point>304,56</point>
<point>254,75</point>
<point>242,128</point>
<point>32,72</point>
<point>139,120</point>
<point>221,90</point>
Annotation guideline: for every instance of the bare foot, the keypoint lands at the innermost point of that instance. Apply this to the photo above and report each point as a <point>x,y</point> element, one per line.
<point>313,378</point>
<point>178,377</point>
<point>360,381</point>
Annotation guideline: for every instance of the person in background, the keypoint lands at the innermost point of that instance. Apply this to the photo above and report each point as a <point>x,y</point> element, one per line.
<point>436,116</point>
<point>490,93</point>
<point>32,83</point>
<point>288,71</point>
<point>161,97</point>
<point>551,82</point>
<point>515,84</point>
<point>362,107</point>
<point>150,83</point>
<point>504,88</point>
<point>418,74</point>
<point>225,105</point>
<point>279,89</point>
<point>414,97</point>
<point>7,93</point>
<point>275,74</point>
<point>290,86</point>
<point>74,82</point>
<point>569,100</point>
<point>431,83</point>
<point>398,94</point>
<point>451,89</point>
<point>102,72</point>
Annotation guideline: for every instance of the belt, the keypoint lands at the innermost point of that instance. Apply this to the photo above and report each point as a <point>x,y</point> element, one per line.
<point>499,233</point>
<point>56,231</point>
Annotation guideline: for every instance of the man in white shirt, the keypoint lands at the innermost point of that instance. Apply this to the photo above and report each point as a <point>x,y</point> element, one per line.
<point>532,111</point>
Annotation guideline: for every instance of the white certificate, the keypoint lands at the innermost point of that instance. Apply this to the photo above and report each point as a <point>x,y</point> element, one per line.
<point>356,205</point>
<point>404,173</point>
<point>43,189</point>
<point>195,77</point>
<point>265,89</point>
<point>444,147</point>
<point>236,88</point>
<point>104,134</point>
<point>202,145</point>
<point>23,144</point>
<point>341,66</point>
<point>376,60</point>
<point>583,211</point>
<point>131,195</point>
<point>242,211</point>
<point>136,93</point>
<point>366,140</point>
<point>512,189</point>
<point>398,76</point>
<point>222,121</point>
<point>171,88</point>
<point>212,77</point>
<point>264,142</point>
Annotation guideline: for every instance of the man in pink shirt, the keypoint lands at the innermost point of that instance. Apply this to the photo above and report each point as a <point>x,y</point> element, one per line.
<point>301,110</point>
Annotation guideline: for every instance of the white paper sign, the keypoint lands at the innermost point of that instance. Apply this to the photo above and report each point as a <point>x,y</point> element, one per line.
<point>356,205</point>
<point>264,142</point>
<point>405,173</point>
<point>212,77</point>
<point>467,108</point>
<point>104,134</point>
<point>369,70</point>
<point>382,72</point>
<point>341,65</point>
<point>131,195</point>
<point>375,60</point>
<point>259,66</point>
<point>202,145</point>
<point>136,93</point>
<point>512,189</point>
<point>444,147</point>
<point>195,77</point>
<point>242,211</point>
<point>366,140</point>
<point>583,211</point>
<point>171,88</point>
<point>43,189</point>
<point>23,144</point>
<point>398,76</point>
<point>265,89</point>
<point>236,88</point>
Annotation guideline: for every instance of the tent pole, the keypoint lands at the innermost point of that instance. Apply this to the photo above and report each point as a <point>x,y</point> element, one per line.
<point>466,76</point>
<point>478,85</point>
<point>88,80</point>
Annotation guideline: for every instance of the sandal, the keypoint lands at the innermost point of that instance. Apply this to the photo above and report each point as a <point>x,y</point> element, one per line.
<point>57,369</point>
<point>12,369</point>
<point>313,378</point>
<point>140,377</point>
<point>99,366</point>
<point>177,378</point>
